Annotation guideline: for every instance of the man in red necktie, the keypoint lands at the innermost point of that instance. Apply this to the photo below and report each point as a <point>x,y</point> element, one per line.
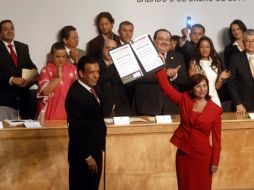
<point>14,90</point>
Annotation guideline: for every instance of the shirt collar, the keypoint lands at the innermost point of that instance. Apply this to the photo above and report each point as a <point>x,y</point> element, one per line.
<point>84,85</point>
<point>6,43</point>
<point>67,50</point>
<point>249,55</point>
<point>105,37</point>
<point>236,44</point>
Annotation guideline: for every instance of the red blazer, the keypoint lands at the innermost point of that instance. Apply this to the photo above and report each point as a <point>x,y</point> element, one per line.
<point>194,135</point>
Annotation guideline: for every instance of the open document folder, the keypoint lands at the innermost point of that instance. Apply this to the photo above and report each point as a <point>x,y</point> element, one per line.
<point>133,60</point>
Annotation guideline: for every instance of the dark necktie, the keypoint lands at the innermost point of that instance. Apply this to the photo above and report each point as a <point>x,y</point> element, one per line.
<point>13,55</point>
<point>95,95</point>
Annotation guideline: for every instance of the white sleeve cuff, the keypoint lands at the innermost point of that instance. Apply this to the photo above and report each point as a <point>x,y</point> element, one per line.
<point>88,157</point>
<point>173,78</point>
<point>182,42</point>
<point>10,81</point>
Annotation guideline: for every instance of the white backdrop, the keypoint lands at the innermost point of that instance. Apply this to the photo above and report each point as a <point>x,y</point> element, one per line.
<point>37,22</point>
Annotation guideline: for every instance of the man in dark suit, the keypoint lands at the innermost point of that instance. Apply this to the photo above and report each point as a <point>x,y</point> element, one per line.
<point>148,98</point>
<point>113,92</point>
<point>104,23</point>
<point>87,129</point>
<point>14,90</point>
<point>125,31</point>
<point>187,48</point>
<point>241,82</point>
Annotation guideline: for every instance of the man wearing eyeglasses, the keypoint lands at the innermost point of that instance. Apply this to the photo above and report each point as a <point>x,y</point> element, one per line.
<point>241,83</point>
<point>69,37</point>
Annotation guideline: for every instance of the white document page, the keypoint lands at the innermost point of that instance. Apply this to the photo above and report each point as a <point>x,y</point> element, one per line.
<point>146,52</point>
<point>125,61</point>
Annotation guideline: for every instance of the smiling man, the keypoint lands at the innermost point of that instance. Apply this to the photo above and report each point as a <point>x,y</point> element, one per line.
<point>125,31</point>
<point>87,129</point>
<point>104,23</point>
<point>14,90</point>
<point>69,37</point>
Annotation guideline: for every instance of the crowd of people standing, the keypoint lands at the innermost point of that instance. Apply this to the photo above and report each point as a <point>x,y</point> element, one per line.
<point>83,87</point>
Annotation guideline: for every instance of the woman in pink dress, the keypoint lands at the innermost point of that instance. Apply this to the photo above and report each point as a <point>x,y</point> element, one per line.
<point>54,82</point>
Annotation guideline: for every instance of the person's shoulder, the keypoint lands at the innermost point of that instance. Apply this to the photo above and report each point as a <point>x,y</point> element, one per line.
<point>96,39</point>
<point>235,57</point>
<point>18,43</point>
<point>81,51</point>
<point>176,54</point>
<point>70,66</point>
<point>239,54</point>
<point>74,86</point>
<point>217,109</point>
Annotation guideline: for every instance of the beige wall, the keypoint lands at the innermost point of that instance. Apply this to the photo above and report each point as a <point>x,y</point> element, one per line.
<point>37,22</point>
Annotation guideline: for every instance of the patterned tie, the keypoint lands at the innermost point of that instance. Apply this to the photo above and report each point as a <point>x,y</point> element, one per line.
<point>95,95</point>
<point>13,55</point>
<point>164,55</point>
<point>251,63</point>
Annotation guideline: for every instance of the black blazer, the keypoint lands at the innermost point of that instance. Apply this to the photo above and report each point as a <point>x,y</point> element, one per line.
<point>94,46</point>
<point>173,60</point>
<point>87,129</point>
<point>188,50</point>
<point>11,95</point>
<point>228,52</point>
<point>148,97</point>
<point>112,91</point>
<point>241,82</point>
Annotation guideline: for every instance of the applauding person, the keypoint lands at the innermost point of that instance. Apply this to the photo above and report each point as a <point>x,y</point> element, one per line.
<point>54,82</point>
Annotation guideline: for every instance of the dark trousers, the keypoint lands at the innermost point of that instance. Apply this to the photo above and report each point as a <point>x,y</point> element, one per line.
<point>81,178</point>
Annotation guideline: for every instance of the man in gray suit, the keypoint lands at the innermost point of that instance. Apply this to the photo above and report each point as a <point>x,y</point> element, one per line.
<point>69,36</point>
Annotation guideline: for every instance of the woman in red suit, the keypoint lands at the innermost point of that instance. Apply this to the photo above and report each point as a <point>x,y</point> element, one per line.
<point>196,158</point>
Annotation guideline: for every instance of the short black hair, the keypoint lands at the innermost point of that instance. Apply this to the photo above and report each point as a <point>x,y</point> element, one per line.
<point>65,32</point>
<point>103,15</point>
<point>3,22</point>
<point>198,26</point>
<point>160,30</point>
<point>126,22</point>
<point>57,46</point>
<point>84,60</point>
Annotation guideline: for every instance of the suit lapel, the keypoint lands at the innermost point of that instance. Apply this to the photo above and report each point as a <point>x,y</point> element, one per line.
<point>170,60</point>
<point>18,52</point>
